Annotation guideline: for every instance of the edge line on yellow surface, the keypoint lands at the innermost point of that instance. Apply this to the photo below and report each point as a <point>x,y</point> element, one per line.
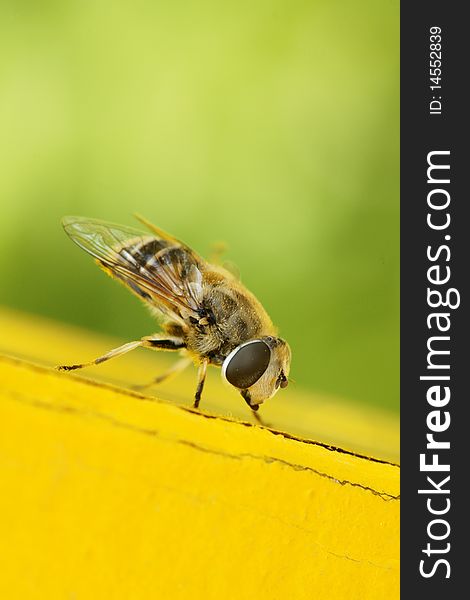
<point>144,398</point>
<point>155,433</point>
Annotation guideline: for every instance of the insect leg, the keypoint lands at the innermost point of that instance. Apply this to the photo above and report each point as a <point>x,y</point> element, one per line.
<point>179,366</point>
<point>111,354</point>
<point>254,407</point>
<point>201,377</point>
<point>169,343</point>
<point>163,343</point>
<point>258,418</point>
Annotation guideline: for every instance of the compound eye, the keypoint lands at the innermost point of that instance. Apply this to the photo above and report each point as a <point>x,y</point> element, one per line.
<point>247,364</point>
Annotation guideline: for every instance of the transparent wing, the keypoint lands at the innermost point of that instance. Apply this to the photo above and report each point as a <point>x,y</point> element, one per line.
<point>161,270</point>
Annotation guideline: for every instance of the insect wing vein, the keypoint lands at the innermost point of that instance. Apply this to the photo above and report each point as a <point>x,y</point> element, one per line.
<point>118,250</point>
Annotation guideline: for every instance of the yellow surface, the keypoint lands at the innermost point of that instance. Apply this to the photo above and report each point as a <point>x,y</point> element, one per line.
<point>317,416</point>
<point>105,493</point>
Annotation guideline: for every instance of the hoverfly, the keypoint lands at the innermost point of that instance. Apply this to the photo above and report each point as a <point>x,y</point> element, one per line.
<point>206,313</point>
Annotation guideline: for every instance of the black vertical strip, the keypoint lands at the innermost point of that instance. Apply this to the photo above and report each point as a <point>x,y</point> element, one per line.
<point>422,133</point>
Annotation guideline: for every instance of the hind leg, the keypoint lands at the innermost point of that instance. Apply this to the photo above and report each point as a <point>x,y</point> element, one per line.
<point>178,367</point>
<point>111,354</point>
<point>169,343</point>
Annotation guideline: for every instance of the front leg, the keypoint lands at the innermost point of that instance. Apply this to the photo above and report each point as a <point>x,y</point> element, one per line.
<point>254,407</point>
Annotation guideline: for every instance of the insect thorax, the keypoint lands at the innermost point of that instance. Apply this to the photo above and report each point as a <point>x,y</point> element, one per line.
<point>227,319</point>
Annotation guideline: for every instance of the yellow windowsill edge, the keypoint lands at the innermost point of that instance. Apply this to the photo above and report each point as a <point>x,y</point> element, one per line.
<point>106,493</point>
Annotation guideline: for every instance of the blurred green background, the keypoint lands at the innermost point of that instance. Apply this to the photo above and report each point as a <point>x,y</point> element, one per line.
<point>272,126</point>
